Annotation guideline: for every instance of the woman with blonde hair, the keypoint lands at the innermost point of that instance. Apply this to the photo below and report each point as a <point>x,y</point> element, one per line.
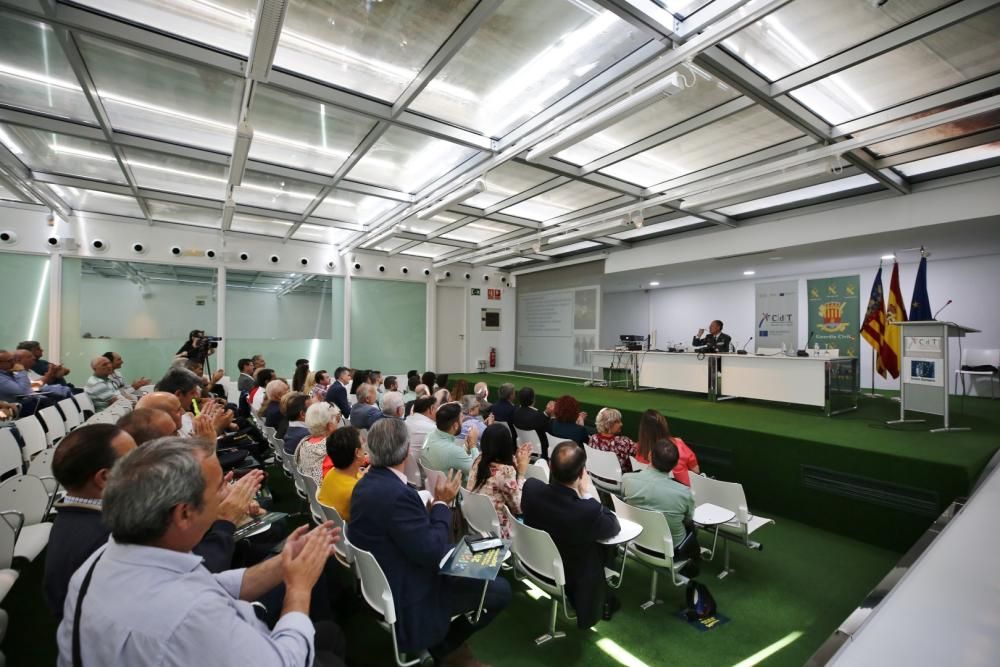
<point>609,437</point>
<point>322,419</point>
<point>270,409</point>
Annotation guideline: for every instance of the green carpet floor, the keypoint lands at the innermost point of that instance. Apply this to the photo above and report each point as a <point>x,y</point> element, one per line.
<point>851,474</point>
<point>798,589</point>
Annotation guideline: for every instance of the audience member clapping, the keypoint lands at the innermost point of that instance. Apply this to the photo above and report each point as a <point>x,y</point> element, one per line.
<point>270,409</point>
<point>443,450</point>
<point>653,428</point>
<point>364,413</point>
<point>499,471</point>
<point>609,437</point>
<point>295,410</point>
<point>322,419</point>
<point>567,420</point>
<point>347,456</point>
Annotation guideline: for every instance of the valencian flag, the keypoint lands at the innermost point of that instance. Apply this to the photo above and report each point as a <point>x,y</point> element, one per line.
<point>895,311</point>
<point>873,328</point>
<point>920,306</point>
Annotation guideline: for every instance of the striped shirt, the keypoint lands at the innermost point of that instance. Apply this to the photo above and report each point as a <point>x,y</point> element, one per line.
<point>101,391</point>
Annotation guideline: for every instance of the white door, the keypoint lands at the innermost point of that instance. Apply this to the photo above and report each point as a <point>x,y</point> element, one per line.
<point>450,330</point>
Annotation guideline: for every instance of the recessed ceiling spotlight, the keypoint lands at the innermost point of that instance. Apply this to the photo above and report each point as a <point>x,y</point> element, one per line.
<point>749,272</point>
<point>888,257</point>
<point>654,283</point>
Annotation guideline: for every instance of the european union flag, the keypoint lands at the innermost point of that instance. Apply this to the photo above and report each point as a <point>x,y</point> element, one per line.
<point>920,305</point>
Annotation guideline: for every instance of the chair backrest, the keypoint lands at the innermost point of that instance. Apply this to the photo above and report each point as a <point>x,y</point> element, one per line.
<point>41,465</point>
<point>554,440</point>
<point>27,495</point>
<point>538,470</point>
<point>655,540</point>
<point>71,413</point>
<point>32,434</point>
<point>10,453</point>
<point>311,490</point>
<point>343,547</point>
<point>83,400</point>
<point>411,467</point>
<point>531,437</point>
<point>479,511</point>
<point>603,466</point>
<point>54,423</point>
<point>637,465</point>
<point>269,431</point>
<point>298,479</point>
<point>431,477</point>
<point>374,585</point>
<point>729,495</point>
<point>975,357</point>
<point>10,526</point>
<point>536,551</point>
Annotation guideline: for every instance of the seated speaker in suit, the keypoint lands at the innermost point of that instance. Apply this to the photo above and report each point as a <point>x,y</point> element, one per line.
<point>715,341</point>
<point>409,540</point>
<point>566,509</point>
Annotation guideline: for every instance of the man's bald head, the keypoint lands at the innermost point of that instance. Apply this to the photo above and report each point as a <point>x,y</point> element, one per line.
<point>24,357</point>
<point>165,401</point>
<point>145,424</point>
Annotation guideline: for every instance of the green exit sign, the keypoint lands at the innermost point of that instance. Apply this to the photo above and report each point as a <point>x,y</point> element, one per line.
<point>475,291</point>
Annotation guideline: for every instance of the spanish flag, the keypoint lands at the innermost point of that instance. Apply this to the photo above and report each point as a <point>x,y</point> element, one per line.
<point>873,328</point>
<point>895,311</point>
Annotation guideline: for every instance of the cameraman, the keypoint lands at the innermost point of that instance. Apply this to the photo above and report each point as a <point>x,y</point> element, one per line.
<point>197,348</point>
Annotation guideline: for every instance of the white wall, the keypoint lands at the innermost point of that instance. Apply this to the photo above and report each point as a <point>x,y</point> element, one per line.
<point>623,313</point>
<point>479,342</point>
<point>163,311</point>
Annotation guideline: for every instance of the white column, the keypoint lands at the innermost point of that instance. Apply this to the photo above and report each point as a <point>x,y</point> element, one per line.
<point>54,348</point>
<point>220,321</point>
<point>430,344</point>
<point>347,319</point>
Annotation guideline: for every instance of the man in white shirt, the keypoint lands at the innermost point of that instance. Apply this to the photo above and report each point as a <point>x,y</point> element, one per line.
<point>421,423</point>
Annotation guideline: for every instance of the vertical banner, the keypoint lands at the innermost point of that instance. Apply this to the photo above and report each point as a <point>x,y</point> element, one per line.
<point>777,315</point>
<point>834,314</point>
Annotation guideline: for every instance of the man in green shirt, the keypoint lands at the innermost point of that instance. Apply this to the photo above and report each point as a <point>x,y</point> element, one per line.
<point>442,450</point>
<point>654,489</point>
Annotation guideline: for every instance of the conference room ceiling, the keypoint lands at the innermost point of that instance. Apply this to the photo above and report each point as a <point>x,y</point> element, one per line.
<point>591,124</point>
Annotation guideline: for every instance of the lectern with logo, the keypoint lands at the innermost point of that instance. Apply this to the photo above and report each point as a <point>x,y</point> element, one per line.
<point>925,367</point>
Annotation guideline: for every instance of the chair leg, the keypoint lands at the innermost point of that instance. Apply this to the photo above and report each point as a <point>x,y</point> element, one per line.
<point>726,570</point>
<point>552,633</point>
<point>652,601</point>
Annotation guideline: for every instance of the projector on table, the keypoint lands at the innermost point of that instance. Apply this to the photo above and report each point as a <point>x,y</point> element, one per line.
<point>631,343</point>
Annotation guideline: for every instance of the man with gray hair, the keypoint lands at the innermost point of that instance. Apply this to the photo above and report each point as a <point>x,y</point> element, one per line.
<point>503,409</point>
<point>364,413</point>
<point>392,405</point>
<point>145,599</point>
<point>100,387</point>
<point>408,540</point>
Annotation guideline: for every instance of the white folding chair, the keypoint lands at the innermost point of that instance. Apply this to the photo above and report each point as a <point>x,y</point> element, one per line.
<point>41,467</point>
<point>538,470</point>
<point>431,477</point>
<point>537,558</point>
<point>314,507</point>
<point>479,512</point>
<point>299,480</point>
<point>26,496</point>
<point>531,437</point>
<point>54,423</point>
<point>637,465</point>
<point>71,414</point>
<point>654,547</point>
<point>375,589</point>
<point>33,435</point>
<point>84,402</point>
<point>269,431</point>
<point>10,526</point>
<point>978,364</point>
<point>411,468</point>
<point>604,469</point>
<point>10,453</point>
<point>731,496</point>
<point>553,441</point>
<point>342,550</point>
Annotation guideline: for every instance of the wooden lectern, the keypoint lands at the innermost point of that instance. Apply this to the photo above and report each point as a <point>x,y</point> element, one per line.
<point>924,369</point>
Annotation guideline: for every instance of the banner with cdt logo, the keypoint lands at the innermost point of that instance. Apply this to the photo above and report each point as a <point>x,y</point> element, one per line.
<point>834,314</point>
<point>777,315</point>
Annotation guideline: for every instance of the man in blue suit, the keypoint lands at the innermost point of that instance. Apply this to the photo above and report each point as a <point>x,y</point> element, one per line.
<point>337,393</point>
<point>409,540</point>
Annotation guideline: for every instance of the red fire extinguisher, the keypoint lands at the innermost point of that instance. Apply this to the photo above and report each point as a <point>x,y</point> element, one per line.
<point>493,357</point>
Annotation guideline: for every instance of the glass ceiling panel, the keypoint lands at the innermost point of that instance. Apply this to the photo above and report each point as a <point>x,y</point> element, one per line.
<point>660,228</point>
<point>686,8</point>
<point>184,214</point>
<point>967,156</point>
<point>284,194</point>
<point>560,201</point>
<point>937,134</point>
<point>221,24</point>
<point>253,224</point>
<point>432,224</point>
<point>353,207</point>
<point>34,72</point>
<point>158,97</point>
<point>321,234</point>
<point>406,160</point>
<point>961,53</point>
<point>428,250</point>
<point>159,171</point>
<point>801,194</point>
<point>376,48</point>
<point>572,247</point>
<point>805,32</point>
<point>507,180</point>
<point>704,93</point>
<point>511,262</point>
<point>303,133</point>
<point>8,194</point>
<point>479,231</point>
<point>527,55</point>
<point>62,154</point>
<point>386,245</point>
<point>95,201</point>
<point>739,134</point>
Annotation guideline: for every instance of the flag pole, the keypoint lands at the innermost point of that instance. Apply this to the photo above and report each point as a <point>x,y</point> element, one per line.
<point>872,394</point>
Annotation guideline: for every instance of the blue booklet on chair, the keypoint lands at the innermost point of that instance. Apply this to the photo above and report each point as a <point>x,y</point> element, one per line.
<point>484,565</point>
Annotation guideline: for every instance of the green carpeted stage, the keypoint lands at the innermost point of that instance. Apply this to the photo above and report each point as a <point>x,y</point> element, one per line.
<point>850,474</point>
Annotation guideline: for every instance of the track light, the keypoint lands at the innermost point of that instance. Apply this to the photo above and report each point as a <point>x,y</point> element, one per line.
<point>241,151</point>
<point>665,87</point>
<point>267,28</point>
<point>469,191</point>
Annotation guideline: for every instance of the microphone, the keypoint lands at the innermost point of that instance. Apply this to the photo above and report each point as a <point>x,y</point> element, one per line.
<point>940,309</point>
<point>743,350</point>
<point>805,352</point>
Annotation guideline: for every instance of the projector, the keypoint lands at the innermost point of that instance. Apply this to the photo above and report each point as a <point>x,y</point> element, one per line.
<point>631,342</point>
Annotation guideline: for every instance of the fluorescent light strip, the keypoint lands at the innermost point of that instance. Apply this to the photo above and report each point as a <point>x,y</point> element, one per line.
<point>43,285</point>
